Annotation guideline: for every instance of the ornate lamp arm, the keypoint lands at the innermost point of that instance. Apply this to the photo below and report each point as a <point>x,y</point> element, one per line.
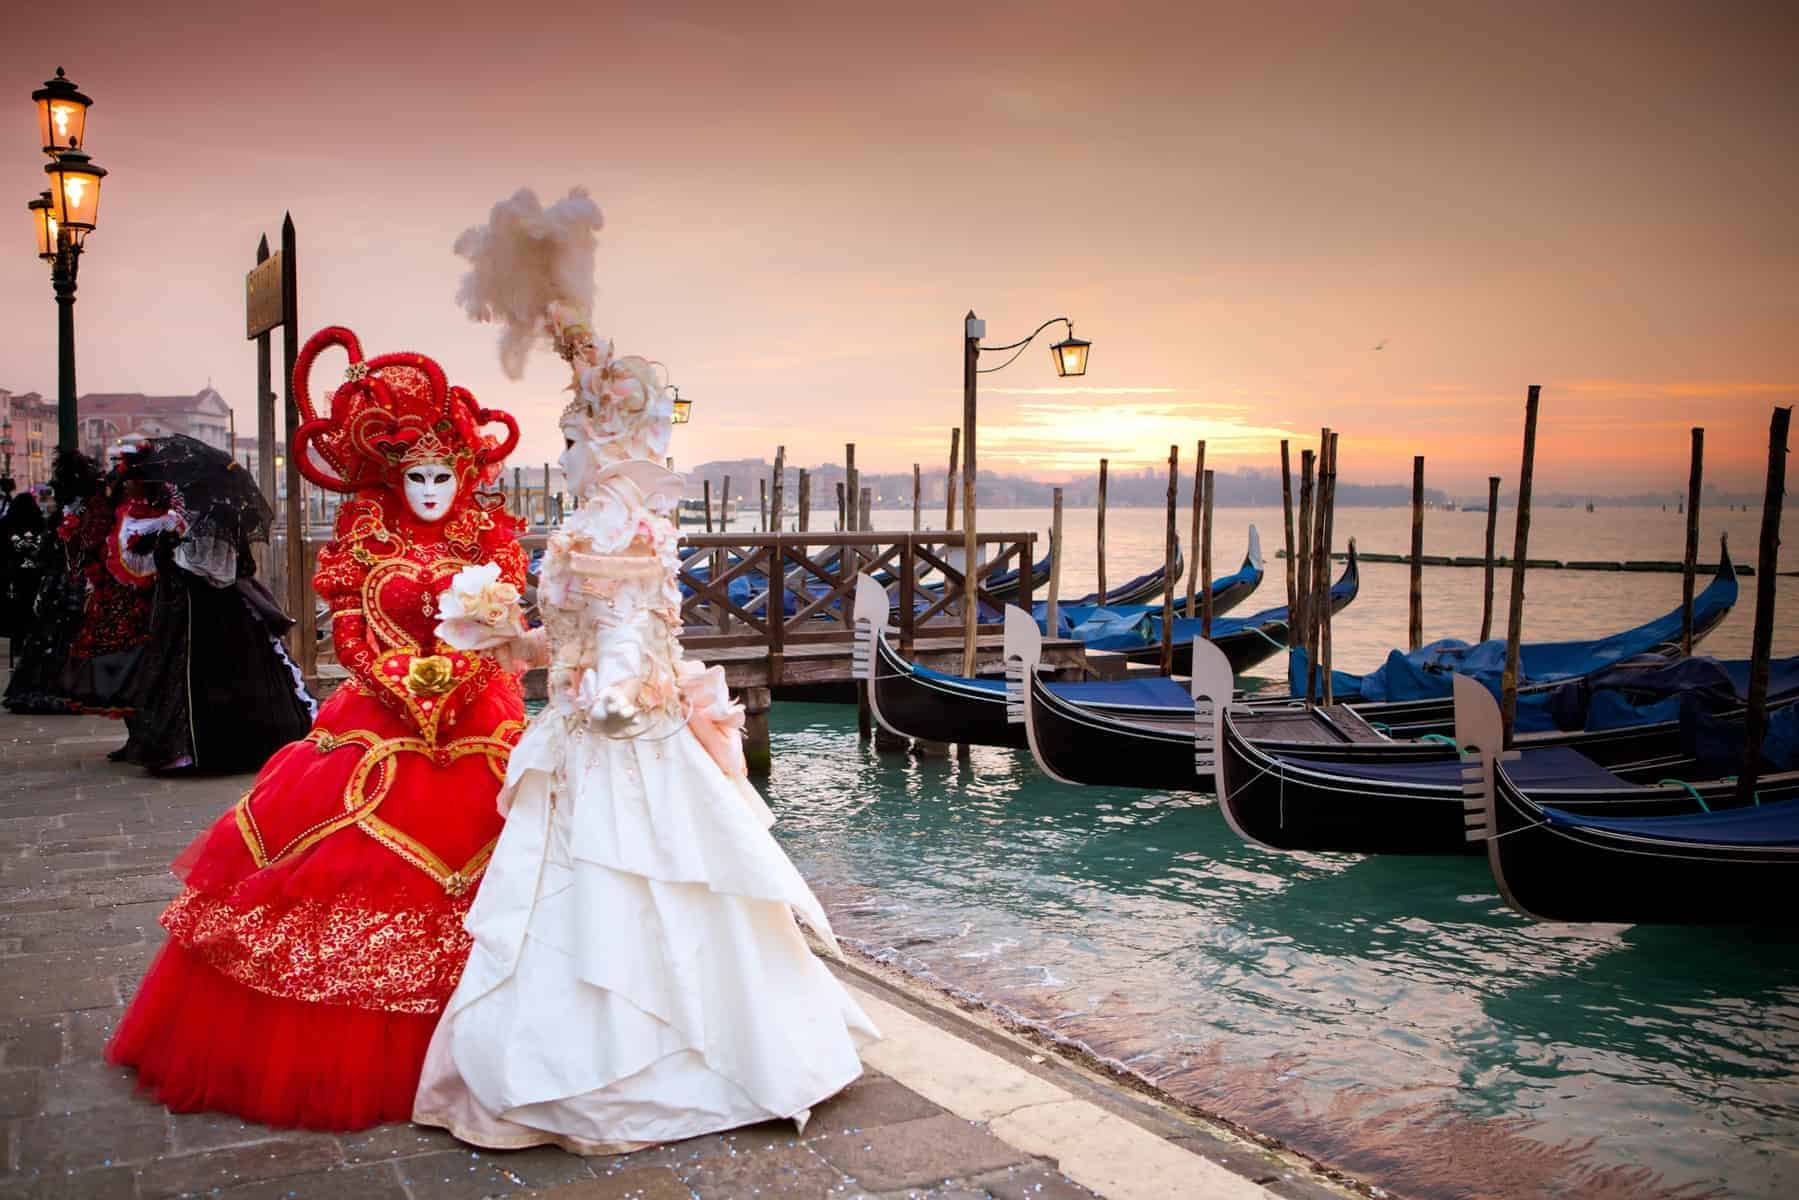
<point>1021,345</point>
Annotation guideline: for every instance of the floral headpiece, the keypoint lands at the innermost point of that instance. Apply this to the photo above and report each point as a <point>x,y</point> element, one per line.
<point>391,412</point>
<point>618,406</point>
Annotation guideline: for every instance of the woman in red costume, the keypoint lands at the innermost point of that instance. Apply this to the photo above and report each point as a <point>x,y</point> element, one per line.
<point>320,931</point>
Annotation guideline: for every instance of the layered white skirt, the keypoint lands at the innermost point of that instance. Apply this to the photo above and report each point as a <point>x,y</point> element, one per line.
<point>637,975</point>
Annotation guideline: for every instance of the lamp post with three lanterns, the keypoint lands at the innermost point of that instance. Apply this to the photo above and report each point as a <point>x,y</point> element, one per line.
<point>61,219</point>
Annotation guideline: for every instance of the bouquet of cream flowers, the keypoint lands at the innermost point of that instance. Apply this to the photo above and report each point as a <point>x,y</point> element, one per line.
<point>479,611</point>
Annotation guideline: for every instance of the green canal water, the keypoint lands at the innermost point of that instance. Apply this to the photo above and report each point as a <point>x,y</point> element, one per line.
<point>1389,1016</point>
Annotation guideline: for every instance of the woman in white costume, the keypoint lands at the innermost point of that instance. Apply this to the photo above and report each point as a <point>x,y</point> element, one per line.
<point>637,974</point>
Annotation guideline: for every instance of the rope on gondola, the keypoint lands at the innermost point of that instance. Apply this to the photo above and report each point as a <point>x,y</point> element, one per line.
<point>1691,791</point>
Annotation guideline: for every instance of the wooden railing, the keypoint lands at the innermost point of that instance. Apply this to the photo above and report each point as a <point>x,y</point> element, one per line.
<point>924,579</point>
<point>820,570</point>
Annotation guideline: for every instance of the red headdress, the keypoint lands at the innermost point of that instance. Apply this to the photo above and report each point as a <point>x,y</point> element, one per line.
<point>392,411</point>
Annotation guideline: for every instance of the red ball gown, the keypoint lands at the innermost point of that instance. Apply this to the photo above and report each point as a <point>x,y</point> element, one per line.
<point>319,933</point>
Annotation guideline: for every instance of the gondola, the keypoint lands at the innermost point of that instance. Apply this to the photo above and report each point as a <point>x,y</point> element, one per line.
<point>1735,867</point>
<point>911,700</point>
<point>1545,665</point>
<point>1246,641</point>
<point>1006,584</point>
<point>1335,787</point>
<point>1083,743</point>
<point>1086,621</point>
<point>1077,744</point>
<point>1140,590</point>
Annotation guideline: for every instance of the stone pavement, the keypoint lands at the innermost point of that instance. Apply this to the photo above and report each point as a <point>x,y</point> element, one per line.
<point>84,850</point>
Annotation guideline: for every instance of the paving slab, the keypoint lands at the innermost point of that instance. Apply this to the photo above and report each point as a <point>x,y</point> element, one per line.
<point>918,1154</point>
<point>232,1166</point>
<point>636,1183</point>
<point>785,1171</point>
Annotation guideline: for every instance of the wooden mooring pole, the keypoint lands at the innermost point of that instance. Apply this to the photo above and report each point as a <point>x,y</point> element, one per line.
<point>949,481</point>
<point>762,486</point>
<point>1199,479</point>
<point>1325,691</point>
<point>1100,538</point>
<point>1755,719</point>
<point>1287,518</point>
<point>852,485</point>
<point>706,489</point>
<point>1169,578</point>
<point>1415,593</point>
<point>724,505</point>
<point>1320,582</point>
<point>1205,561</point>
<point>1052,613</point>
<point>1688,566</point>
<point>1486,608</point>
<point>777,498</point>
<point>805,500</point>
<point>1514,624</point>
<point>917,499</point>
<point>842,517</point>
<point>1302,567</point>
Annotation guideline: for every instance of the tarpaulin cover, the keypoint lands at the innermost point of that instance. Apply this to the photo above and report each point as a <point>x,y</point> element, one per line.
<point>1153,692</point>
<point>1659,691</point>
<point>1156,691</point>
<point>1757,825</point>
<point>1717,741</point>
<point>1425,674</point>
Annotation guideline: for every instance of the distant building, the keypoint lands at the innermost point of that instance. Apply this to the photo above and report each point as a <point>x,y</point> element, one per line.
<point>103,418</point>
<point>108,416</point>
<point>30,421</point>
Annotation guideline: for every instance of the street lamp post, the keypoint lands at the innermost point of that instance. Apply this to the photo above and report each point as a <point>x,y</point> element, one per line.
<point>61,219</point>
<point>1070,358</point>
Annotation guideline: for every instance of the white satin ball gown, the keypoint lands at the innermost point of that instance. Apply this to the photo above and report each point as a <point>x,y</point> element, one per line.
<point>637,974</point>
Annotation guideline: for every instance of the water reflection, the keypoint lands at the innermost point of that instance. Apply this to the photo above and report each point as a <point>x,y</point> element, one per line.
<point>1389,1015</point>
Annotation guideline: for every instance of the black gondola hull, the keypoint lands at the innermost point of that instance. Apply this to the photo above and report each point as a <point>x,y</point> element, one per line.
<point>1075,744</point>
<point>1293,799</point>
<point>1578,873</point>
<point>913,705</point>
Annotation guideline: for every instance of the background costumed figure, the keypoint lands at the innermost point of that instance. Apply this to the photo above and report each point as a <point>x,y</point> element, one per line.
<point>115,615</point>
<point>320,930</point>
<point>213,689</point>
<point>41,654</point>
<point>638,975</point>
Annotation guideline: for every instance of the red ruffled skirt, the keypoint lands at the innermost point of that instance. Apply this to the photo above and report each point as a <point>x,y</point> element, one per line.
<point>320,932</point>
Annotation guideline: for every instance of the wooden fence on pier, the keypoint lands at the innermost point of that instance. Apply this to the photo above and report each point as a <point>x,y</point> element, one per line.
<point>760,643</point>
<point>812,643</point>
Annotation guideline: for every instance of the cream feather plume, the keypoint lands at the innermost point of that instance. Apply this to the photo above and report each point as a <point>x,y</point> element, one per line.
<point>524,259</point>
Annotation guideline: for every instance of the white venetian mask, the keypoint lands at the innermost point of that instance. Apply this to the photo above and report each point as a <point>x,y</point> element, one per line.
<point>430,489</point>
<point>580,467</point>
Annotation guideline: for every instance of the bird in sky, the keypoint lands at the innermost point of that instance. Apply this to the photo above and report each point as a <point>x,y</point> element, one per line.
<point>1381,345</point>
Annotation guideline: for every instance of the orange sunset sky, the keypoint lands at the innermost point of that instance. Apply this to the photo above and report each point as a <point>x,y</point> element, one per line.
<point>1235,202</point>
